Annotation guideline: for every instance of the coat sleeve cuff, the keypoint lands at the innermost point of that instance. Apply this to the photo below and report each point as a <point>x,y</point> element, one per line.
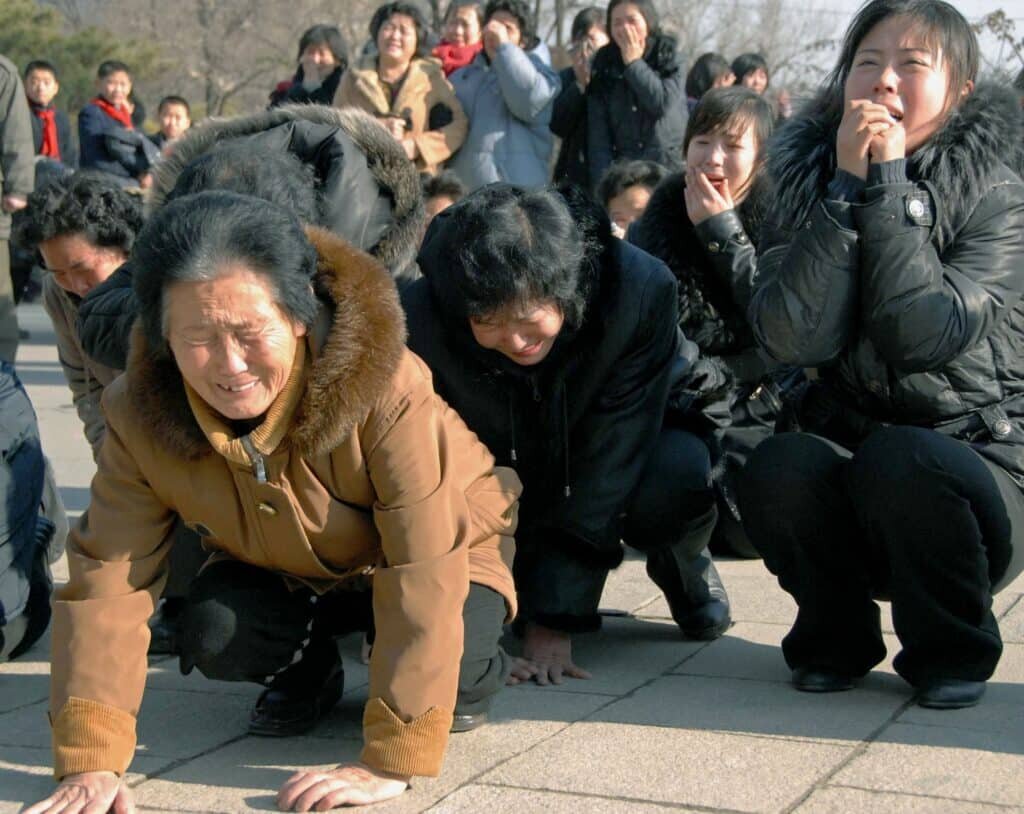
<point>414,748</point>
<point>92,737</point>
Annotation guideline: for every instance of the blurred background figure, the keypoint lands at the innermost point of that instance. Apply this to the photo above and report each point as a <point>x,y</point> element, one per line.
<point>626,189</point>
<point>462,35</point>
<point>175,117</point>
<point>51,128</point>
<point>323,57</point>
<point>439,192</point>
<point>710,70</point>
<point>751,71</point>
<point>569,114</point>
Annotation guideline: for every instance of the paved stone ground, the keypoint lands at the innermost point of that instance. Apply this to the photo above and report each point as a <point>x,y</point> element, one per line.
<point>664,724</point>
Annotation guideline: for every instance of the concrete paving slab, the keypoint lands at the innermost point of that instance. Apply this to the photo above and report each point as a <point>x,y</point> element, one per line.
<point>756,708</point>
<point>836,800</point>
<point>752,598</point>
<point>476,798</point>
<point>1011,625</point>
<point>629,588</point>
<point>940,761</point>
<point>673,766</point>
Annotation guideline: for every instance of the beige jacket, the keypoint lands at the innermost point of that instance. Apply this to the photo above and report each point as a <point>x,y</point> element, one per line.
<point>359,468</point>
<point>85,377</point>
<point>424,88</point>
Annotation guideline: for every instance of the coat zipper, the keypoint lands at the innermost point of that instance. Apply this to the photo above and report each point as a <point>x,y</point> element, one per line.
<point>259,467</point>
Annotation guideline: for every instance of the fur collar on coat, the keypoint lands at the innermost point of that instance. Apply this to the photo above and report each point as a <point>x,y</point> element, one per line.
<point>358,341</point>
<point>392,171</point>
<point>959,160</point>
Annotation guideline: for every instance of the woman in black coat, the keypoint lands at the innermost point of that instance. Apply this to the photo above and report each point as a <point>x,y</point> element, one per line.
<point>705,224</point>
<point>558,346</point>
<point>893,262</point>
<point>635,107</point>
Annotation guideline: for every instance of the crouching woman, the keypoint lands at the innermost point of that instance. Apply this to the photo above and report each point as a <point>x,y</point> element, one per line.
<point>270,402</point>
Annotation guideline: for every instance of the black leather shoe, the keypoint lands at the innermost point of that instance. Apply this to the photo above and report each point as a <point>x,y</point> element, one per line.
<point>281,712</point>
<point>812,679</point>
<point>693,590</point>
<point>467,723</point>
<point>705,622</point>
<point>950,693</point>
<point>165,628</point>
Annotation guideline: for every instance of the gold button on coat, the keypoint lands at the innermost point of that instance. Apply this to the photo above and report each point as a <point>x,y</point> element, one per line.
<point>267,508</point>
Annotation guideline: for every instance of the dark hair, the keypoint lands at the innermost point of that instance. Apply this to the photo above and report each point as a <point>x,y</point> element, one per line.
<point>174,100</point>
<point>701,78</point>
<point>111,66</point>
<point>39,65</point>
<point>519,9</point>
<point>728,109</point>
<point>190,240</point>
<point>585,20</point>
<point>748,63</point>
<point>328,35</point>
<point>411,10</point>
<point>513,246</point>
<point>944,27</point>
<point>622,175</point>
<point>277,176</point>
<point>476,5</point>
<point>645,7</point>
<point>446,183</point>
<point>85,203</point>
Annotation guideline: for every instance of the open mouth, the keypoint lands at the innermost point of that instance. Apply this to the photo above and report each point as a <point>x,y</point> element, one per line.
<point>896,115</point>
<point>238,388</point>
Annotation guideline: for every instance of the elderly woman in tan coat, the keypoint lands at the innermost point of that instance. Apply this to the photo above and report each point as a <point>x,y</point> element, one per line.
<point>405,89</point>
<point>271,402</point>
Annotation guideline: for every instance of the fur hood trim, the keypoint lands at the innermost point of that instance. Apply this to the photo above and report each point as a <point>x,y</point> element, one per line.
<point>358,343</point>
<point>959,160</point>
<point>388,163</point>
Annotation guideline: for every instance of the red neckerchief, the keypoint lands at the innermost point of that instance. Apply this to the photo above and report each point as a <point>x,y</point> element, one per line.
<point>454,57</point>
<point>122,117</point>
<point>50,146</point>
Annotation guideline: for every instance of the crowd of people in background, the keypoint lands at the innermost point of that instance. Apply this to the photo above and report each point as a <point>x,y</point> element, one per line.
<point>358,342</point>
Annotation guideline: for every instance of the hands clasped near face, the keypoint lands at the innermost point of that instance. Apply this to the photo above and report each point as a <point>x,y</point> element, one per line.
<point>869,133</point>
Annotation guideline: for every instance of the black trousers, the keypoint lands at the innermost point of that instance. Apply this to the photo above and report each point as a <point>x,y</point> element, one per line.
<point>243,623</point>
<point>670,516</point>
<point>913,516</point>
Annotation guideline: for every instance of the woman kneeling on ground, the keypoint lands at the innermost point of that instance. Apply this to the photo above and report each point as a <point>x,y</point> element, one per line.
<point>270,402</point>
<point>558,345</point>
<point>893,261</point>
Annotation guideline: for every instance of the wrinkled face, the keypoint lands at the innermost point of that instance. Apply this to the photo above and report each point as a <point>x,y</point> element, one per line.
<point>174,120</point>
<point>628,205</point>
<point>115,88</point>
<point>626,16</point>
<point>463,26</point>
<point>233,345</point>
<point>41,86</point>
<point>77,265</point>
<point>525,335</point>
<point>722,155</point>
<point>893,66</point>
<point>396,39</point>
<point>511,23</point>
<point>756,80</point>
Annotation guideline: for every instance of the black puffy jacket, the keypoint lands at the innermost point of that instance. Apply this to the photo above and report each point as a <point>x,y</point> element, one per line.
<point>369,192</point>
<point>909,297</point>
<point>636,111</point>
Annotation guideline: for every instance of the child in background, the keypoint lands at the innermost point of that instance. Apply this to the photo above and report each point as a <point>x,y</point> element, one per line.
<point>51,128</point>
<point>626,188</point>
<point>175,118</point>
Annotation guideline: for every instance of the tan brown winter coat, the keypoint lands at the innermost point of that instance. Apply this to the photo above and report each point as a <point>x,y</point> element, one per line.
<point>360,467</point>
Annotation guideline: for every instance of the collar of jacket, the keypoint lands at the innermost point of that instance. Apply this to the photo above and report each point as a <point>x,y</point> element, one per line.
<point>978,136</point>
<point>415,83</point>
<point>386,160</point>
<point>355,345</point>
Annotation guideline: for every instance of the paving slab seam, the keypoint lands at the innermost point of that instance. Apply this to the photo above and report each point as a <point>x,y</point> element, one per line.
<point>1007,806</point>
<point>25,705</point>
<point>175,764</point>
<point>616,799</point>
<point>1013,605</point>
<point>855,753</point>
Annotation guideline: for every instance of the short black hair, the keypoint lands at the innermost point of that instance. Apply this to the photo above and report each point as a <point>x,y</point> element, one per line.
<point>329,35</point>
<point>519,9</point>
<point>85,203</point>
<point>646,8</point>
<point>237,166</point>
<point>585,20</point>
<point>111,66</point>
<point>748,63</point>
<point>446,183</point>
<point>174,100</point>
<point>622,175</point>
<point>40,65</point>
<point>191,239</point>
<point>707,68</point>
<point>728,109</point>
<point>411,10</point>
<point>511,246</point>
<point>476,5</point>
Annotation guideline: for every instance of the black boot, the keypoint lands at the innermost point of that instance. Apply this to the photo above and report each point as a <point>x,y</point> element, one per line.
<point>165,627</point>
<point>297,699</point>
<point>690,581</point>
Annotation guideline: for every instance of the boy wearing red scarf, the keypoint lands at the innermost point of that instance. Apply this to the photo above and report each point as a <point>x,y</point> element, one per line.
<point>51,128</point>
<point>107,138</point>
